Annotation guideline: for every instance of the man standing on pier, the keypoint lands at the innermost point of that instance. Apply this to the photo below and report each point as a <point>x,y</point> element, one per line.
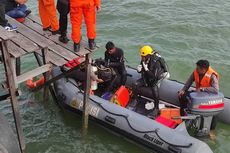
<point>86,8</point>
<point>63,7</point>
<point>47,12</point>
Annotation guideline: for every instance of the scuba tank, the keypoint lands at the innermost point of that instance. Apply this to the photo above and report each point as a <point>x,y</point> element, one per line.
<point>158,57</point>
<point>161,71</point>
<point>94,82</point>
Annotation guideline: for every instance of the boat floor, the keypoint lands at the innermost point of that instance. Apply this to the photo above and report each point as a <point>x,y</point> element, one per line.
<point>136,105</point>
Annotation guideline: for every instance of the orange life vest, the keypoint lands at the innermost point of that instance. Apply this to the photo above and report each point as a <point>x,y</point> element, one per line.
<point>31,84</point>
<point>206,80</point>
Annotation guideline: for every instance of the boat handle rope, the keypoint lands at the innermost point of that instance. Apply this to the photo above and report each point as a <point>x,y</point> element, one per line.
<point>126,118</point>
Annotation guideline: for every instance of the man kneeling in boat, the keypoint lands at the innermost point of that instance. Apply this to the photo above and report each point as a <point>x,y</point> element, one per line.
<point>114,58</point>
<point>153,70</point>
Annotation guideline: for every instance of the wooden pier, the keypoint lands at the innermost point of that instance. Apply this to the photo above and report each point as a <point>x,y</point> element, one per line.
<point>49,52</point>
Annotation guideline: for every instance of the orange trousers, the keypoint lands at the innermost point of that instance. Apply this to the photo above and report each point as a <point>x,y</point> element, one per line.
<point>76,14</point>
<point>47,12</point>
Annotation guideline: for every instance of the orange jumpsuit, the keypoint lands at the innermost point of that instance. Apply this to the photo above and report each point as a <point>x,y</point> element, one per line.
<point>47,12</point>
<point>86,8</point>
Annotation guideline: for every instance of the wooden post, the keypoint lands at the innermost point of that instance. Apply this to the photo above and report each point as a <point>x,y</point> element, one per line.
<point>18,66</point>
<point>50,87</point>
<point>12,90</point>
<point>38,59</point>
<point>46,75</point>
<point>85,114</point>
<point>13,64</point>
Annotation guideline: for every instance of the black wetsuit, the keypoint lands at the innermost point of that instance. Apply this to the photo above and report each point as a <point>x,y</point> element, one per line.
<point>63,7</point>
<point>116,61</point>
<point>148,85</point>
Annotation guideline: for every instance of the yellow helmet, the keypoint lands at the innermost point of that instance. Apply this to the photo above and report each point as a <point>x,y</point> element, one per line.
<point>146,50</point>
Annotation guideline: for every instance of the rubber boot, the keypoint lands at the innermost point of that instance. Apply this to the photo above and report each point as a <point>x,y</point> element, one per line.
<point>47,29</point>
<point>76,47</point>
<point>92,44</point>
<point>55,32</point>
<point>63,38</point>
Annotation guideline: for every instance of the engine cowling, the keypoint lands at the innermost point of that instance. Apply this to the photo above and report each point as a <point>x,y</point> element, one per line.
<point>206,104</point>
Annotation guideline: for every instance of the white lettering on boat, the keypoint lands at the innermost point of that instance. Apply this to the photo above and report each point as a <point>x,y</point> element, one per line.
<point>92,110</point>
<point>213,102</point>
<point>153,139</point>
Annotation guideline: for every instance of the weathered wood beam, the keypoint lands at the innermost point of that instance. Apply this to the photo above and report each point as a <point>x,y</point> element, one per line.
<point>45,58</point>
<point>12,90</point>
<point>85,116</point>
<point>33,73</point>
<point>18,66</point>
<point>5,35</point>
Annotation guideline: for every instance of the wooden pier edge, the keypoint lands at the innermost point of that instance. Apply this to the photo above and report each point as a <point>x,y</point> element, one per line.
<point>48,52</point>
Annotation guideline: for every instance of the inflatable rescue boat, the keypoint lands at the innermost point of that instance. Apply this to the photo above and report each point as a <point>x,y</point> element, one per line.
<point>167,133</point>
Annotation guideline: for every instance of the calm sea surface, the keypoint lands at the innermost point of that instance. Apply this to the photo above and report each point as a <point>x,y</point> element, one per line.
<point>183,31</point>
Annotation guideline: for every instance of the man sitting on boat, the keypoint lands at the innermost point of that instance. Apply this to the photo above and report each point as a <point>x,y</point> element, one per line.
<point>206,80</point>
<point>153,70</point>
<point>114,58</point>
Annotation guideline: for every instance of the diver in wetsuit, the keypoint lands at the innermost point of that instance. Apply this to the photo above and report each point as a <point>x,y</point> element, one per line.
<point>114,58</point>
<point>153,70</point>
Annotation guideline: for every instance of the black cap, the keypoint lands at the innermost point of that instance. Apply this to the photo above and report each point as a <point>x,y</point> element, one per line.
<point>109,45</point>
<point>203,64</point>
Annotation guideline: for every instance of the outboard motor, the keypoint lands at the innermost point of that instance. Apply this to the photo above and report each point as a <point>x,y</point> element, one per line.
<point>205,105</point>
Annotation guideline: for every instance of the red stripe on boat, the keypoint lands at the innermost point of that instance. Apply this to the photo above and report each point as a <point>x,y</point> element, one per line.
<point>211,106</point>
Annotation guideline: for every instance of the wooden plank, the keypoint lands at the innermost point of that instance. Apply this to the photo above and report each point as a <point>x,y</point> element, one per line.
<point>62,52</point>
<point>5,35</point>
<point>36,27</point>
<point>35,18</point>
<point>33,73</point>
<point>14,50</point>
<point>58,47</point>
<point>25,43</point>
<point>54,58</point>
<point>55,38</point>
<point>33,24</point>
<point>30,34</point>
<point>70,44</point>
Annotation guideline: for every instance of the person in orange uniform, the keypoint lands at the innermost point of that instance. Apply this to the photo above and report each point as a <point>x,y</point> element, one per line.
<point>47,12</point>
<point>86,8</point>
